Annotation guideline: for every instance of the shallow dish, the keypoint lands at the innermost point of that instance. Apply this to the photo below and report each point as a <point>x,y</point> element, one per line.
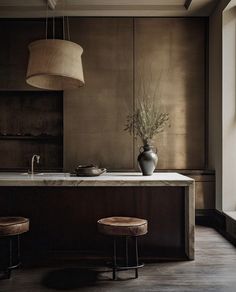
<point>89,170</point>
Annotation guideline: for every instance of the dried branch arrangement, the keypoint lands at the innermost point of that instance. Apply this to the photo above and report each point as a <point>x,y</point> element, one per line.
<point>146,122</point>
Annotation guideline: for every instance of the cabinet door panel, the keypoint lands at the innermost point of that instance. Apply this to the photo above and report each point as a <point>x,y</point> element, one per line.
<point>94,116</point>
<point>170,60</point>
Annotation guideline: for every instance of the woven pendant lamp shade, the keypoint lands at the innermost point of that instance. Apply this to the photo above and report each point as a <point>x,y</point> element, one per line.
<point>55,64</point>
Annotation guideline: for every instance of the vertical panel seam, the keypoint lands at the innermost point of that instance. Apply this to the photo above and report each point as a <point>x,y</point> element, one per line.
<point>133,90</point>
<point>206,59</point>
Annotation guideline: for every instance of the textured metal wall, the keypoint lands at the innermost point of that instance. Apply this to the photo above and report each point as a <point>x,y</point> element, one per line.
<point>120,55</point>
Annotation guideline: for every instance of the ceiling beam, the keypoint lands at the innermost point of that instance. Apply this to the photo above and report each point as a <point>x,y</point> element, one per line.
<point>142,8</point>
<point>52,4</point>
<point>187,4</point>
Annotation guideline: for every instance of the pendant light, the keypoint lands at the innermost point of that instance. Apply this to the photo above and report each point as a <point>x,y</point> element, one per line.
<point>55,64</point>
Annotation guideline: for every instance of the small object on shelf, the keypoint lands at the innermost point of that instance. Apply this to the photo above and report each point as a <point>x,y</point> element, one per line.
<point>89,170</point>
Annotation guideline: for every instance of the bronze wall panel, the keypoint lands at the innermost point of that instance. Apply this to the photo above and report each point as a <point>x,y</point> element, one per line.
<point>205,195</point>
<point>94,115</point>
<point>169,49</point>
<point>172,50</point>
<point>204,191</point>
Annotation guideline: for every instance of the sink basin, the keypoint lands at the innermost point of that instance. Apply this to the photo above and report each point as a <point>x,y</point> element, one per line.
<point>46,174</point>
<point>37,173</point>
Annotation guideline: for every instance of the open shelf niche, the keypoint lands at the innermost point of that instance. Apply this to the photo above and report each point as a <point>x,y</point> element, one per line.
<point>31,122</point>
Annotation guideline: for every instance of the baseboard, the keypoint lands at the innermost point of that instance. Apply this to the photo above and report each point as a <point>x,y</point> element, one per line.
<point>217,220</point>
<point>231,225</point>
<point>211,217</point>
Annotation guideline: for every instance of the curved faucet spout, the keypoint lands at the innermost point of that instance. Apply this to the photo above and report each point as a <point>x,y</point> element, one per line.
<point>34,157</point>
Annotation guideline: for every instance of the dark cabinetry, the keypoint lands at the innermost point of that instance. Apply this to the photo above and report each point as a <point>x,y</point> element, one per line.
<point>81,207</point>
<point>30,119</point>
<point>31,123</point>
<point>16,36</point>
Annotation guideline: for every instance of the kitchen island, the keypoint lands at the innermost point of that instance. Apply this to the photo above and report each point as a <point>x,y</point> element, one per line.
<point>64,209</point>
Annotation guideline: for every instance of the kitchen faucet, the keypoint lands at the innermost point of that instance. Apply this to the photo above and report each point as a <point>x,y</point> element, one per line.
<point>32,162</point>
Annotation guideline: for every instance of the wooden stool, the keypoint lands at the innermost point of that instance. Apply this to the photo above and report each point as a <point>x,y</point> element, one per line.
<point>123,227</point>
<point>10,229</point>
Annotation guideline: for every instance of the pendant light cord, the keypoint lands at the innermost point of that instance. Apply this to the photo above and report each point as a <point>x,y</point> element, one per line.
<point>67,25</point>
<point>53,26</point>
<point>68,28</point>
<point>63,26</point>
<point>46,20</point>
<point>67,21</point>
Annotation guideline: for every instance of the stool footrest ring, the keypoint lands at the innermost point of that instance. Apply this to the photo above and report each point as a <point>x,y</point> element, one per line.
<point>14,266</point>
<point>120,268</point>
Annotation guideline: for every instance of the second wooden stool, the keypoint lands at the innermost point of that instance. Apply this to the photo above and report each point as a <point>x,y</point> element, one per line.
<point>123,227</point>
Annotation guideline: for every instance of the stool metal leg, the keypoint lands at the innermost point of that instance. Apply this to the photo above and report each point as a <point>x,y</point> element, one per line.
<point>128,265</point>
<point>8,272</point>
<point>10,252</point>
<point>114,259</point>
<point>136,256</point>
<point>12,264</point>
<point>18,249</point>
<point>126,251</point>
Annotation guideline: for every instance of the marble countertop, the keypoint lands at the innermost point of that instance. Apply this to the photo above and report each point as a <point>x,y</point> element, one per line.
<point>107,179</point>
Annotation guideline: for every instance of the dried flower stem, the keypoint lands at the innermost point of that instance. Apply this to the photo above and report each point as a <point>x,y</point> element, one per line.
<point>146,122</point>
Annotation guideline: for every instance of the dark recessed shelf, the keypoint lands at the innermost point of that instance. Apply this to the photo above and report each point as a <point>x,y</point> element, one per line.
<point>19,137</point>
<point>31,123</point>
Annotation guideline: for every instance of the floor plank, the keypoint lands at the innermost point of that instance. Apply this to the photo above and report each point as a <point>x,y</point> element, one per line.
<point>213,270</point>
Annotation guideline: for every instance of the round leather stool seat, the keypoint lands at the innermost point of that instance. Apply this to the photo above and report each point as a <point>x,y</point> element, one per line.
<point>10,226</point>
<point>123,226</point>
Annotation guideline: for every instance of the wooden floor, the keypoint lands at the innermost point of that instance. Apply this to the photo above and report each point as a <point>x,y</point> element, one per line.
<point>213,270</point>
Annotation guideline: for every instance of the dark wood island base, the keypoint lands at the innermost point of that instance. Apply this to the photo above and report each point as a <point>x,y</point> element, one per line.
<point>63,219</point>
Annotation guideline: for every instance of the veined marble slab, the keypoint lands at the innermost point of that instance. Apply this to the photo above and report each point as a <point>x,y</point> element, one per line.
<point>107,179</point>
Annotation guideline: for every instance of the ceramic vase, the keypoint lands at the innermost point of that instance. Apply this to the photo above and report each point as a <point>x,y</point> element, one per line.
<point>147,159</point>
